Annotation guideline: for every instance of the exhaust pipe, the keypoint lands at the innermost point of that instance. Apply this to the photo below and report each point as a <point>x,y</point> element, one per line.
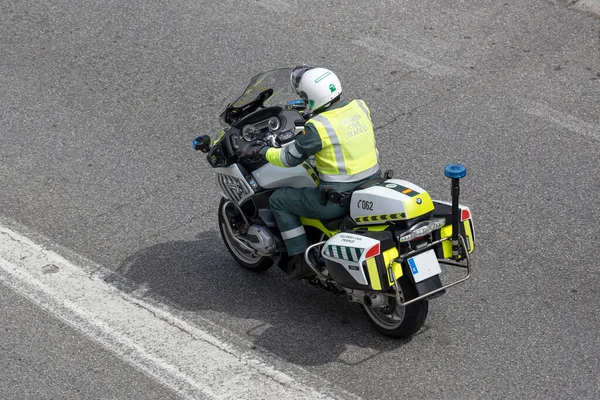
<point>372,300</point>
<point>356,296</point>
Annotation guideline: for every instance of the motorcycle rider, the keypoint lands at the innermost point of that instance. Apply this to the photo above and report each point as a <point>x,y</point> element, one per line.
<point>339,133</point>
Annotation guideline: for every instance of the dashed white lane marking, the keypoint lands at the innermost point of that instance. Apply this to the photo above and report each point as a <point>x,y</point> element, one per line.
<point>566,121</point>
<point>391,51</point>
<point>181,356</point>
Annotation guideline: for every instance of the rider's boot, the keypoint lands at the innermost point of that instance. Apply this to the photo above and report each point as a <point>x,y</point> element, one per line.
<point>297,267</point>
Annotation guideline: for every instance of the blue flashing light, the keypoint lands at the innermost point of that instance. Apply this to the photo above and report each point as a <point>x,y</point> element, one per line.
<point>455,171</point>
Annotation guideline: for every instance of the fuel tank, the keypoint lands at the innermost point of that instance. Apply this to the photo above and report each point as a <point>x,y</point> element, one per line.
<point>270,176</point>
<point>390,200</point>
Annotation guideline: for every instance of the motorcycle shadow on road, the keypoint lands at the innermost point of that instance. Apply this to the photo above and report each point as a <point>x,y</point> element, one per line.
<point>297,321</point>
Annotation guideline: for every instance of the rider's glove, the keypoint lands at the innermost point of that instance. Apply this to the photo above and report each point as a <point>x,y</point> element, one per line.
<point>251,152</point>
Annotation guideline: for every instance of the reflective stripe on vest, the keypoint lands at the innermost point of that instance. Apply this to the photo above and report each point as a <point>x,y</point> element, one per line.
<point>348,152</point>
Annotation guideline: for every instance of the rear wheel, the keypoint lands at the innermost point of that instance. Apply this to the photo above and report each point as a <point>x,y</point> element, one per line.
<point>396,321</point>
<point>241,253</point>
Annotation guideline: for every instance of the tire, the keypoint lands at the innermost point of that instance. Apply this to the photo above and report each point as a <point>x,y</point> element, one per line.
<point>399,322</point>
<point>251,262</point>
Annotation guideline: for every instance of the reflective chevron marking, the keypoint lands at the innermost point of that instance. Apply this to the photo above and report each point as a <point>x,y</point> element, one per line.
<point>343,252</point>
<point>382,217</point>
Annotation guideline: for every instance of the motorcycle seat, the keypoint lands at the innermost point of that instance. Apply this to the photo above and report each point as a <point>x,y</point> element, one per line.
<point>369,183</point>
<point>375,181</point>
<point>333,224</point>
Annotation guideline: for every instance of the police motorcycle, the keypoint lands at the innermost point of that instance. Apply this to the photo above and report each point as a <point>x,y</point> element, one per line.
<point>385,255</point>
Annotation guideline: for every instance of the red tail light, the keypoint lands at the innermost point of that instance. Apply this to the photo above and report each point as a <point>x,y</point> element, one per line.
<point>465,214</point>
<point>373,251</point>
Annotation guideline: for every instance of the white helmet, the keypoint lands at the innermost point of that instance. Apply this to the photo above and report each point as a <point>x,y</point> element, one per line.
<point>316,86</point>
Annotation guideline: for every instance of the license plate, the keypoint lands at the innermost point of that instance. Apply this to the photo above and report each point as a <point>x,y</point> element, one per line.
<point>424,266</point>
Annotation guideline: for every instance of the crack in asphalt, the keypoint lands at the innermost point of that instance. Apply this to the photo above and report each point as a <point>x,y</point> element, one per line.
<point>118,207</point>
<point>409,112</point>
<point>179,225</point>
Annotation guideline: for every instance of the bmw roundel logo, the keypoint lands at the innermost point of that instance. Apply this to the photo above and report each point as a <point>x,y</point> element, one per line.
<point>391,185</point>
<point>419,201</point>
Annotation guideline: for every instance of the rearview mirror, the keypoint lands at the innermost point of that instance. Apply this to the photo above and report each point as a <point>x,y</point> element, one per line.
<point>297,105</point>
<point>202,143</point>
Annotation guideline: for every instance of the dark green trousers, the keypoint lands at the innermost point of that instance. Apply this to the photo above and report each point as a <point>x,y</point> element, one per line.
<point>289,203</point>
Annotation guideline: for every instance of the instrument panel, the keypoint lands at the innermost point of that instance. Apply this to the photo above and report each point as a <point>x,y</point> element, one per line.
<point>257,130</point>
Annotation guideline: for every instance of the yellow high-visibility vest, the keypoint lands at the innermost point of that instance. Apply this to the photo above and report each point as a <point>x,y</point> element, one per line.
<point>348,153</point>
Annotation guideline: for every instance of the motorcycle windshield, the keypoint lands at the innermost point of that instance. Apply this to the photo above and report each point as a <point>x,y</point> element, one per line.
<point>277,81</point>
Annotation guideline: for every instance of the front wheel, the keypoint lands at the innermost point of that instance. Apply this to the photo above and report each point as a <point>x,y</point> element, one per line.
<point>396,321</point>
<point>241,253</point>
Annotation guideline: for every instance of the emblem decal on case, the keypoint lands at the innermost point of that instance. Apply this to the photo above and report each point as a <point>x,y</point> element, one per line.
<point>343,252</point>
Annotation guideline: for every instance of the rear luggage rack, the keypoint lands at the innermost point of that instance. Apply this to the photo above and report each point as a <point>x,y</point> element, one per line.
<point>464,264</point>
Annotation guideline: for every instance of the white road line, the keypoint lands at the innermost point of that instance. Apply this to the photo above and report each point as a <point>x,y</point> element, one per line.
<point>391,51</point>
<point>587,5</point>
<point>181,356</point>
<point>564,120</point>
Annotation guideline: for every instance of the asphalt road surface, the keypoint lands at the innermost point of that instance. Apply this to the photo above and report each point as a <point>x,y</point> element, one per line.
<point>99,103</point>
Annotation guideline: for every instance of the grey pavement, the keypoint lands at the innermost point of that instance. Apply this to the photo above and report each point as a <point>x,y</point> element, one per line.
<point>99,103</point>
<point>43,358</point>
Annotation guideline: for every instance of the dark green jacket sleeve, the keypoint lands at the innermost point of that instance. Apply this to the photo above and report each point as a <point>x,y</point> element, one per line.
<point>306,144</point>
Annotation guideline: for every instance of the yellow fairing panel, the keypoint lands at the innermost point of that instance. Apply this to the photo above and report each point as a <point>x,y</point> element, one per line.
<point>373,228</point>
<point>388,256</point>
<point>317,224</point>
<point>412,207</point>
<point>446,231</point>
<point>373,273</point>
<point>469,239</point>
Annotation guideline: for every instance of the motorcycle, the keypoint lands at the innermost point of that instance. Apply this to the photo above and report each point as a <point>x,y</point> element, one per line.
<point>385,255</point>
